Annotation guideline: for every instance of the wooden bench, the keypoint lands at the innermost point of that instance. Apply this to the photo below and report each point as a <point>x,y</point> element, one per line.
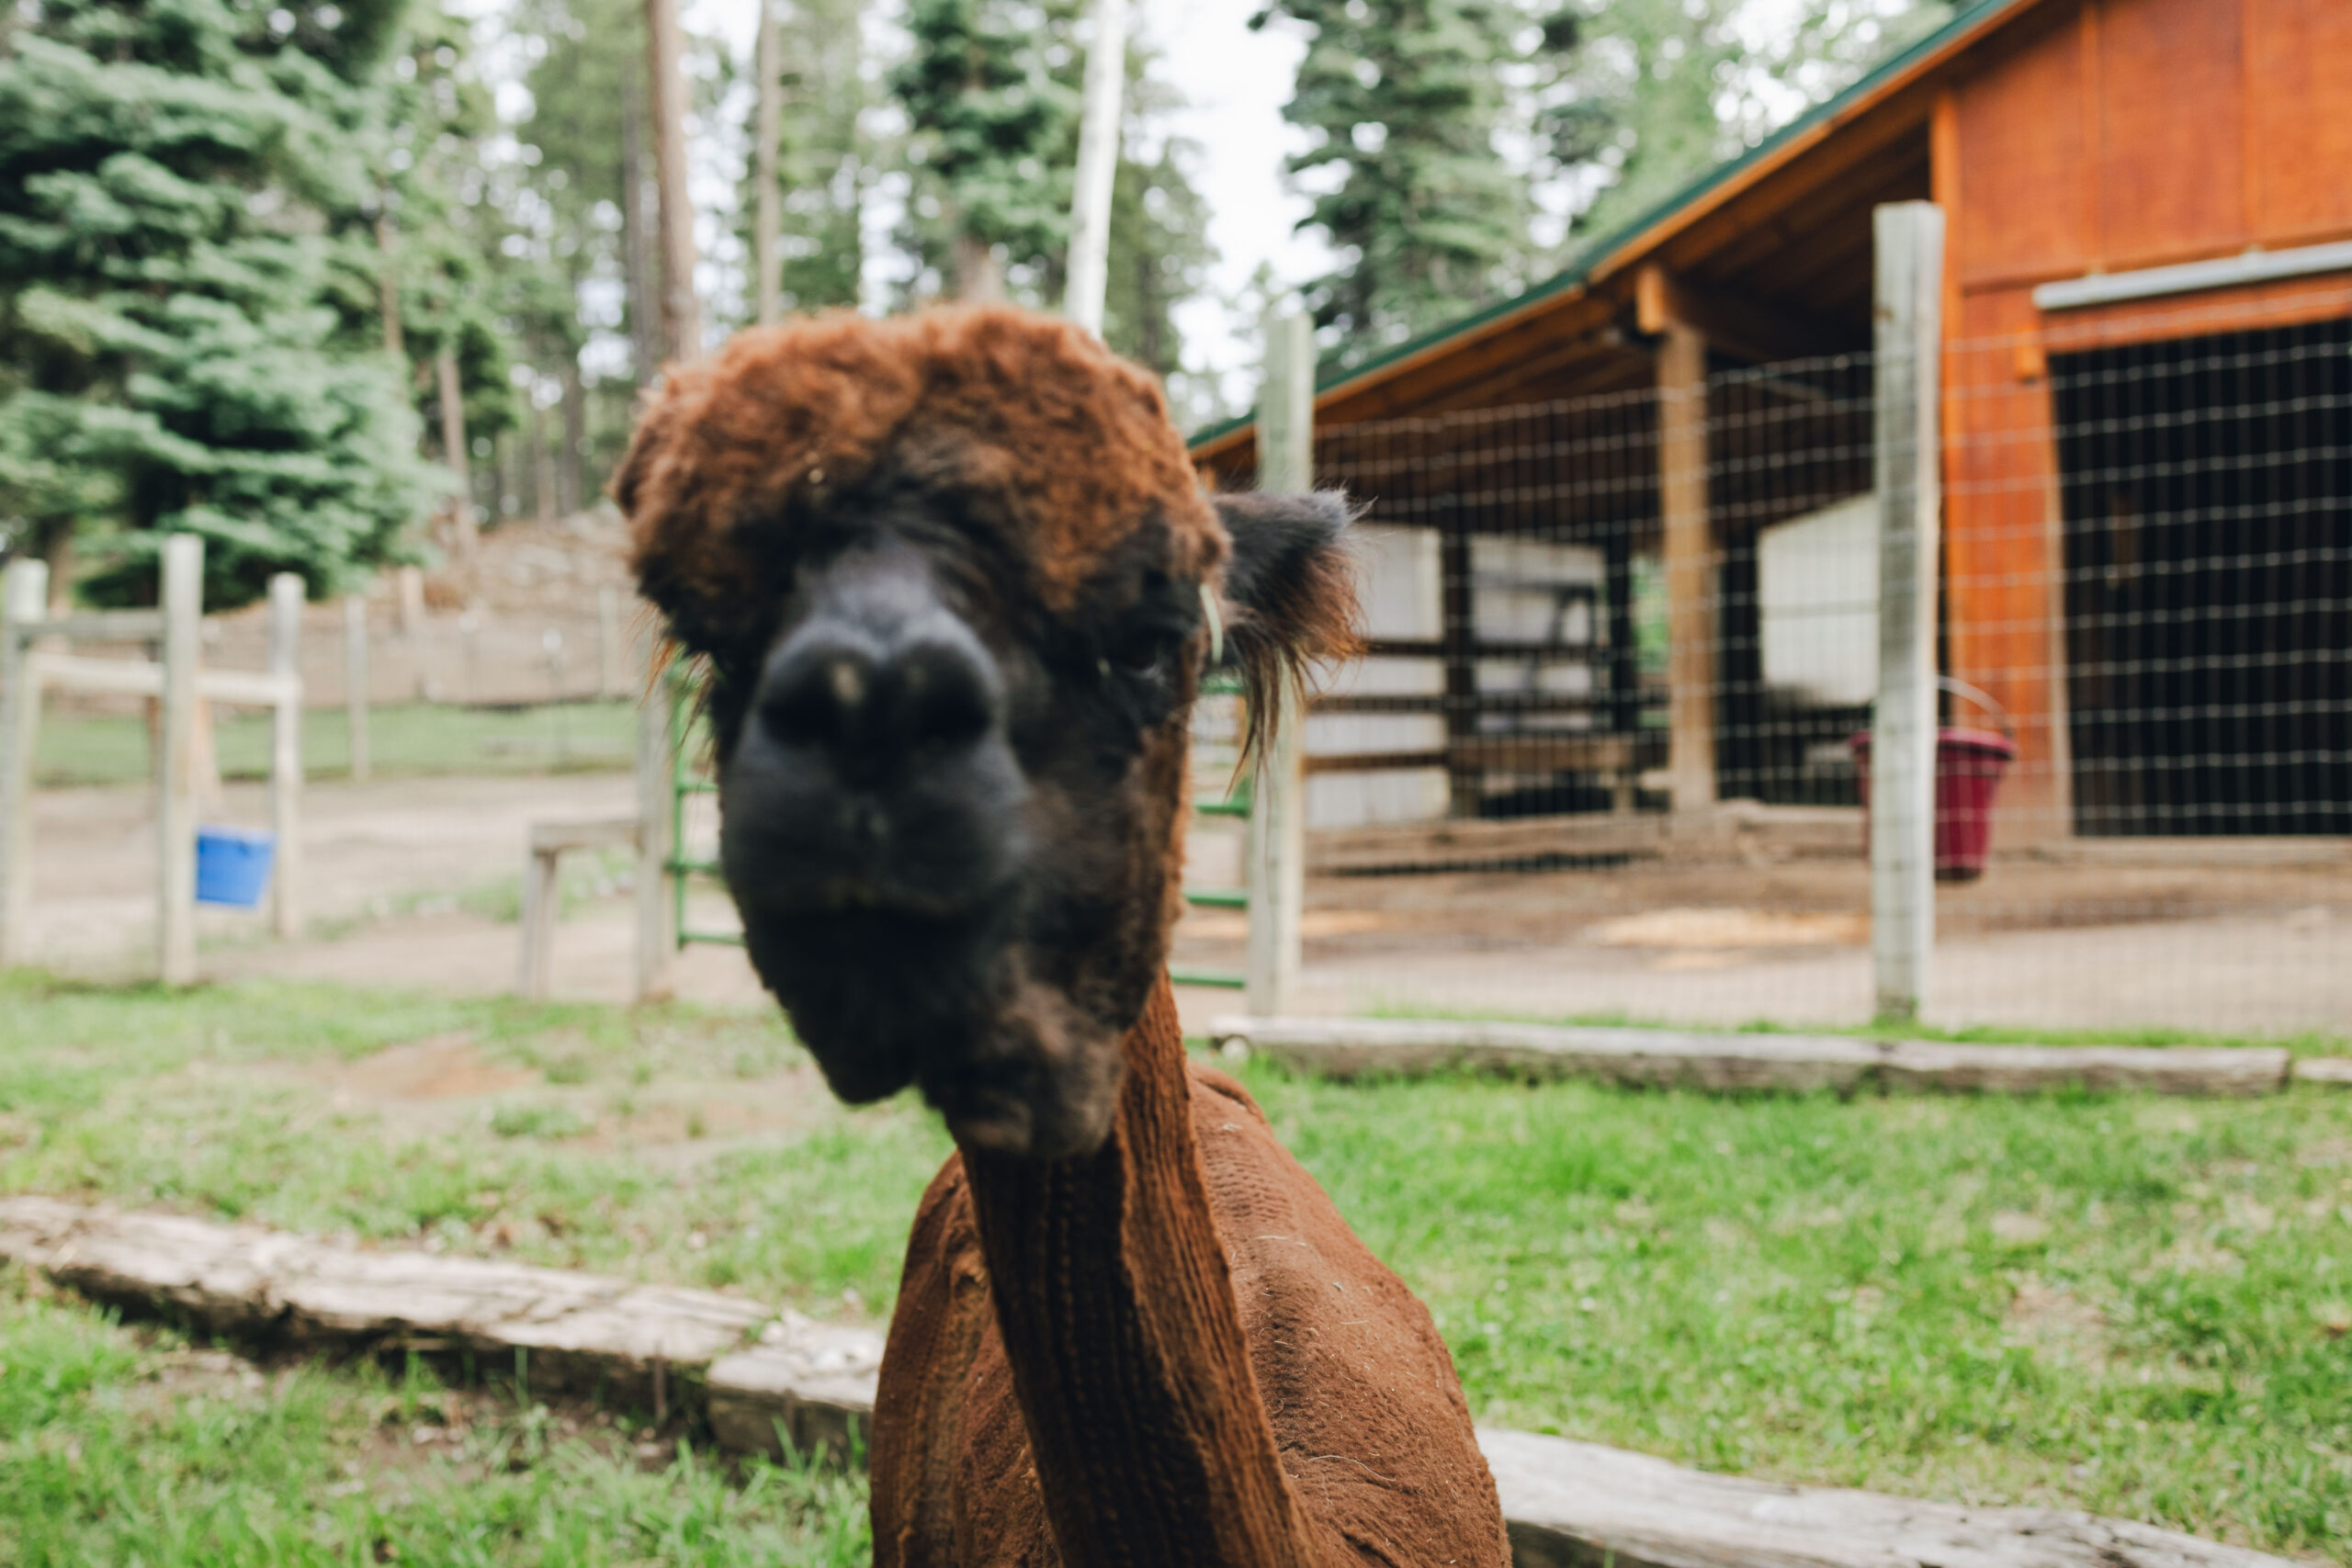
<point>541,903</point>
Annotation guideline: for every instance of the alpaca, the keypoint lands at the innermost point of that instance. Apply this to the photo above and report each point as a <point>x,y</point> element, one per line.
<point>955,585</point>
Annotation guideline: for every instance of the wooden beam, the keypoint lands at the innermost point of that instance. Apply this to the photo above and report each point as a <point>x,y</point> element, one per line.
<point>1691,628</point>
<point>1760,334</point>
<point>1355,1047</point>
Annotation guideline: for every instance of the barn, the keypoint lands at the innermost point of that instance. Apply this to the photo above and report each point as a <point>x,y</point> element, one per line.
<point>1620,535</point>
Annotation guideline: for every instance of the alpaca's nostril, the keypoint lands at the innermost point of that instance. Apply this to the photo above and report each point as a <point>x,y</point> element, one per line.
<point>877,704</point>
<point>814,697</point>
<point>943,697</point>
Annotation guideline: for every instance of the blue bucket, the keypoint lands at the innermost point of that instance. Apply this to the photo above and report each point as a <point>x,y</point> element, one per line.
<point>232,866</point>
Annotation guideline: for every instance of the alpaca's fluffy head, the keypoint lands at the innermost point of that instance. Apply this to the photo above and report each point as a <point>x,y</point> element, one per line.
<point>948,574</point>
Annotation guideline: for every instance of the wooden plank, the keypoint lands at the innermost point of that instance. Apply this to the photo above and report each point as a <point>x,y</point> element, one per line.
<point>602,833</point>
<point>98,625</point>
<point>2171,156</point>
<point>1733,830</point>
<point>2299,122</point>
<point>1347,1048</point>
<point>1570,752</point>
<point>2019,129</point>
<point>1574,1504</point>
<point>2324,1069</point>
<point>1727,320</point>
<point>759,1378</point>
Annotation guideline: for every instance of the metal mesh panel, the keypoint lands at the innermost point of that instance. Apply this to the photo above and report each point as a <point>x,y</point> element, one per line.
<point>2144,637</point>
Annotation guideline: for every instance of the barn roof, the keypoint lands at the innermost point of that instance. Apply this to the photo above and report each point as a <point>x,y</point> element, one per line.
<point>1618,253</point>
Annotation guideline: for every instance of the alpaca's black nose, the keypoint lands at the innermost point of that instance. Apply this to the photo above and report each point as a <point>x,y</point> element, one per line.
<point>879,699</point>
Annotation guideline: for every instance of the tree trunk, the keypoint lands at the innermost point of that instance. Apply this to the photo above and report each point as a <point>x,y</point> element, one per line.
<point>767,260</point>
<point>388,287</point>
<point>464,533</point>
<point>681,317</point>
<point>979,276</point>
<point>57,549</point>
<point>637,247</point>
<point>568,476</point>
<point>543,491</point>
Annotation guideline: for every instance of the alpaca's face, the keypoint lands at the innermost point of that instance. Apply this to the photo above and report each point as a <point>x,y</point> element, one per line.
<point>951,739</point>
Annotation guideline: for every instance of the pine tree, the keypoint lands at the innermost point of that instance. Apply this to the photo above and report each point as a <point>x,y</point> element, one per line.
<point>188,332</point>
<point>993,128</point>
<point>826,165</point>
<point>1635,98</point>
<point>1406,99</point>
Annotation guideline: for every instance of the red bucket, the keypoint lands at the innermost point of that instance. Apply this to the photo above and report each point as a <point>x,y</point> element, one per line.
<point>1969,765</point>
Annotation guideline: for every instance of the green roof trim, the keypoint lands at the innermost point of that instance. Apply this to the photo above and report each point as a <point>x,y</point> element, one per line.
<point>1973,16</point>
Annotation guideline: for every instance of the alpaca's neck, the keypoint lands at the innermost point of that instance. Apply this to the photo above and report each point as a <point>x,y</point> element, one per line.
<point>1112,1293</point>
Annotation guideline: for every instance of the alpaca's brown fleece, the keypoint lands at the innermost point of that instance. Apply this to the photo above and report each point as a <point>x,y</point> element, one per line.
<point>1174,1353</point>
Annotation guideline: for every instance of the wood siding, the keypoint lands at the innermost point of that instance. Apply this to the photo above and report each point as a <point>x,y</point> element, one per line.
<point>2106,136</point>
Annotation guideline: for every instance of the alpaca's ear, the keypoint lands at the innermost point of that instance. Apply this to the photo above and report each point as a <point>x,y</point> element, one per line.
<point>1290,584</point>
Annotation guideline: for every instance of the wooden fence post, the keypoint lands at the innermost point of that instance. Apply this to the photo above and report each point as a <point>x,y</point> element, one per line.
<point>355,681</point>
<point>285,596</point>
<point>1278,803</point>
<point>24,599</point>
<point>1909,285</point>
<point>183,601</point>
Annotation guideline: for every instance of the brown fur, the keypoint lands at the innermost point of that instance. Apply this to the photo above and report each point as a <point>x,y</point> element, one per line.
<point>1190,1361</point>
<point>1168,1350</point>
<point>1044,436</point>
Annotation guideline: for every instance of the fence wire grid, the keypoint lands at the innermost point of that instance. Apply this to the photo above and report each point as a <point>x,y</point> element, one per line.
<point>2144,645</point>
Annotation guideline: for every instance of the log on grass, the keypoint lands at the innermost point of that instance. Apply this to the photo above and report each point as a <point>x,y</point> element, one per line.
<point>1572,1504</point>
<point>1663,1057</point>
<point>645,1345</point>
<point>779,1382</point>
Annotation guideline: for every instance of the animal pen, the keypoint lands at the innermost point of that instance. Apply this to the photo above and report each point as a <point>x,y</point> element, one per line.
<point>1553,790</point>
<point>33,660</point>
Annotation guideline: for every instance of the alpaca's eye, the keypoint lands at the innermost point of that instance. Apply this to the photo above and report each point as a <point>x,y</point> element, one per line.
<point>1137,653</point>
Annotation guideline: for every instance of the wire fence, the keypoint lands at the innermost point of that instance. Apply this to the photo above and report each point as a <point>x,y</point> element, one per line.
<point>1524,801</point>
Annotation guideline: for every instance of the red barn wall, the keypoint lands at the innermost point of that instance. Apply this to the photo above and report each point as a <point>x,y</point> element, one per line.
<point>2104,136</point>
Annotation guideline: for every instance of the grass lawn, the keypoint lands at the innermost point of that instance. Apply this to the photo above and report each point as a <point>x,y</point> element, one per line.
<point>404,740</point>
<point>2130,1305</point>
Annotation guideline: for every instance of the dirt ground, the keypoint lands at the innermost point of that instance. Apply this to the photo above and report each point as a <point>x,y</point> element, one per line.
<point>411,882</point>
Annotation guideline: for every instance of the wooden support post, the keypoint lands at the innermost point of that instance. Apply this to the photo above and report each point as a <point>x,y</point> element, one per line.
<point>1909,285</point>
<point>1097,164</point>
<point>657,910</point>
<point>1278,802</point>
<point>286,595</point>
<point>1624,658</point>
<point>355,681</point>
<point>1689,565</point>
<point>183,600</point>
<point>1458,638</point>
<point>23,600</point>
<point>540,905</point>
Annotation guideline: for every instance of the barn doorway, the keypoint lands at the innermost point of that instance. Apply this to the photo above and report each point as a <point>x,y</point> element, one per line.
<point>2208,505</point>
